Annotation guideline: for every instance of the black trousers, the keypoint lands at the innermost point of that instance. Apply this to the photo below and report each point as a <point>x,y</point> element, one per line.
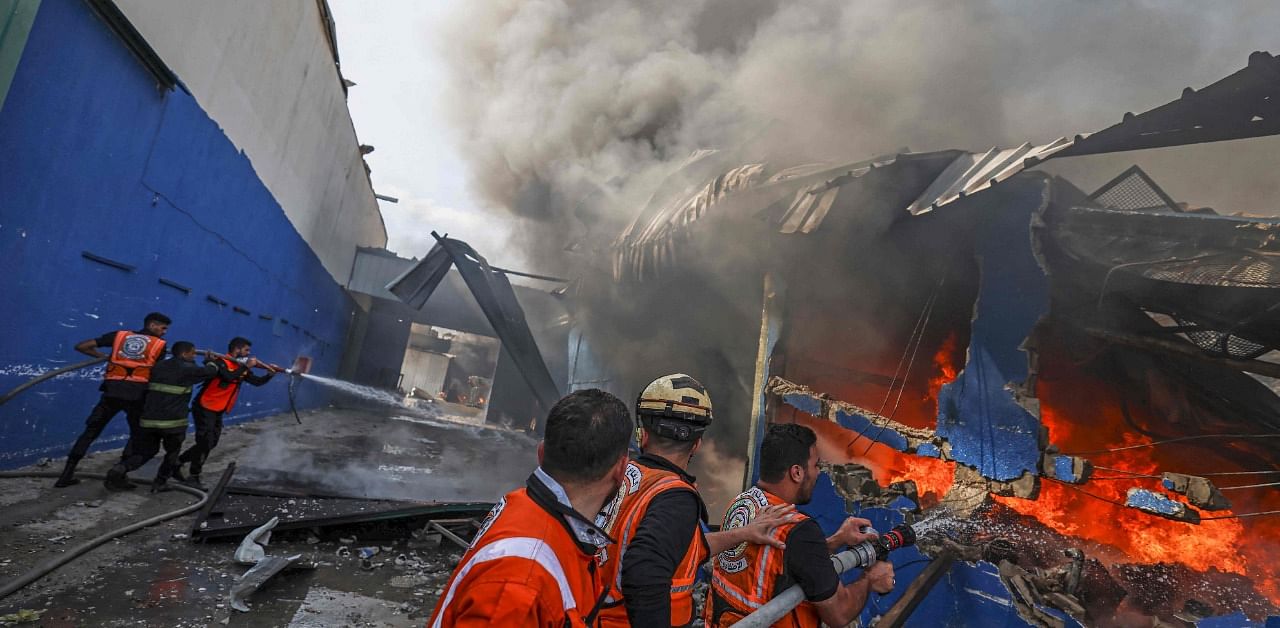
<point>100,416</point>
<point>208,431</point>
<point>147,444</point>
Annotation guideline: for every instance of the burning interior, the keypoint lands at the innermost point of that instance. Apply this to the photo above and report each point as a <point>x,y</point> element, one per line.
<point>1085,376</point>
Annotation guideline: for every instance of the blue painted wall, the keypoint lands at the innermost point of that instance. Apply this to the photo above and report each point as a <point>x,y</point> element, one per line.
<point>94,157</point>
<point>977,414</point>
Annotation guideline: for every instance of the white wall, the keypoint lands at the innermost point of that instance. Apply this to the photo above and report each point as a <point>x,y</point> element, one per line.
<point>264,71</point>
<point>425,370</point>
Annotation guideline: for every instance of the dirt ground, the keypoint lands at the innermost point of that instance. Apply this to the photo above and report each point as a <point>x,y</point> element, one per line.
<point>159,577</point>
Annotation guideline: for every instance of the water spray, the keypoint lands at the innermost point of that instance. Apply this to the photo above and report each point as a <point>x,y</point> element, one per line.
<point>859,556</point>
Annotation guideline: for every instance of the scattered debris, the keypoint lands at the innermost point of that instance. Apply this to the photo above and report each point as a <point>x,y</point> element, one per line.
<point>1157,504</point>
<point>251,549</point>
<point>1199,491</point>
<point>368,552</point>
<point>256,577</point>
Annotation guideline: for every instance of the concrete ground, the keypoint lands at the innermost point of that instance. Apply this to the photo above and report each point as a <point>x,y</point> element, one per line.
<point>158,577</point>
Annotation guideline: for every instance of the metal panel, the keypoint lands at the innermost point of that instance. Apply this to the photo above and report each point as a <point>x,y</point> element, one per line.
<point>971,173</point>
<point>497,299</point>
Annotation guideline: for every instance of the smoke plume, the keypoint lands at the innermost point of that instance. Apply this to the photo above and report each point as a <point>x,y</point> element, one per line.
<point>570,109</point>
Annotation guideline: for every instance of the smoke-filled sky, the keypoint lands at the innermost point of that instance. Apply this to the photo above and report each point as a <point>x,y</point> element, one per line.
<point>486,110</point>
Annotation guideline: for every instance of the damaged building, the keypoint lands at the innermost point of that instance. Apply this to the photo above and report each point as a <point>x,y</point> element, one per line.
<point>1084,376</point>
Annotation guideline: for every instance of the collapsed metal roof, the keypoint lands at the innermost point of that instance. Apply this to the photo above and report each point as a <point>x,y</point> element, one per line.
<point>1243,105</point>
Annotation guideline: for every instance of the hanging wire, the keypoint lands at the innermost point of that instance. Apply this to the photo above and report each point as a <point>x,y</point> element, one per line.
<point>919,339</point>
<point>1247,514</point>
<point>916,330</point>
<point>1232,488</point>
<point>1124,505</point>
<point>1131,474</point>
<point>1169,440</point>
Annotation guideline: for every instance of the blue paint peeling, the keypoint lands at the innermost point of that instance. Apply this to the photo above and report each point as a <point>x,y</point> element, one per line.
<point>929,449</point>
<point>978,415</point>
<point>804,403</point>
<point>100,160</point>
<point>1155,503</point>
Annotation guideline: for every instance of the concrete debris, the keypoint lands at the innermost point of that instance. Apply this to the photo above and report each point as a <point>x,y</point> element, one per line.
<point>1072,469</point>
<point>1199,491</point>
<point>251,549</point>
<point>256,577</point>
<point>1157,504</point>
<point>1027,600</point>
<point>857,485</point>
<point>883,429</point>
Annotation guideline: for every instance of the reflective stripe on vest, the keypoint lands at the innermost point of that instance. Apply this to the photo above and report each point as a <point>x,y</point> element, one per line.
<point>169,389</point>
<point>163,424</point>
<point>514,547</point>
<point>132,356</point>
<point>744,577</point>
<point>642,486</point>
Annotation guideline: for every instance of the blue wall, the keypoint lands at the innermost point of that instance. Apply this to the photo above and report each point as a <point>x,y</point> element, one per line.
<point>94,157</point>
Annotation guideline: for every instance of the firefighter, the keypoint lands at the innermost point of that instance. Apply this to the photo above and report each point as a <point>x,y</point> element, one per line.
<point>534,560</point>
<point>216,398</point>
<point>746,577</point>
<point>124,383</point>
<point>658,517</point>
<point>164,414</point>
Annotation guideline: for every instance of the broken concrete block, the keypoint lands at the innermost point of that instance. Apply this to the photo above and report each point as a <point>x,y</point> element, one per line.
<point>1072,469</point>
<point>1159,505</point>
<point>1199,491</point>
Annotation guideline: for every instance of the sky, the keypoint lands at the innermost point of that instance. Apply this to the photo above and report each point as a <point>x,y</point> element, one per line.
<point>388,49</point>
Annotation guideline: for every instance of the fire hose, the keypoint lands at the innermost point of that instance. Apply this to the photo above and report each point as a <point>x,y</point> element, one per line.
<point>860,556</point>
<point>47,567</point>
<point>83,365</point>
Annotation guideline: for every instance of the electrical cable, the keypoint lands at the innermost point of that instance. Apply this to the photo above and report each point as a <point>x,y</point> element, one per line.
<point>1232,488</point>
<point>1124,505</point>
<point>1132,474</point>
<point>918,337</point>
<point>49,565</point>
<point>1167,441</point>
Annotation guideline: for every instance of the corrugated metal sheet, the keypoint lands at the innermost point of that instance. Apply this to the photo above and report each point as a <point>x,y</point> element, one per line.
<point>971,173</point>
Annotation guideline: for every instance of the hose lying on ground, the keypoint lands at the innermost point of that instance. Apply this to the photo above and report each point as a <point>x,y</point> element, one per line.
<point>46,567</point>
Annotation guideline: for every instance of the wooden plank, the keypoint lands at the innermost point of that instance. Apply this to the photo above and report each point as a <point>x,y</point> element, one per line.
<point>916,592</point>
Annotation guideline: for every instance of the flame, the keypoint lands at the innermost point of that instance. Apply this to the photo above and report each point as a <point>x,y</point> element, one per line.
<point>1083,414</point>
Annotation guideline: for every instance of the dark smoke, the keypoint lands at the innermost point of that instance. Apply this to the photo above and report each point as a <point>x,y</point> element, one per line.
<point>573,113</point>
<point>561,100</point>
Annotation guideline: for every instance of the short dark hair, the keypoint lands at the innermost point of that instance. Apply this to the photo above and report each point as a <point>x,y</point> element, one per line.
<point>180,347</point>
<point>156,317</point>
<point>587,432</point>
<point>785,445</point>
<point>238,342</point>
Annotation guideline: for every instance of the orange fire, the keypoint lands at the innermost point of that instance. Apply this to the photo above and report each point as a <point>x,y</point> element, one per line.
<point>1082,414</point>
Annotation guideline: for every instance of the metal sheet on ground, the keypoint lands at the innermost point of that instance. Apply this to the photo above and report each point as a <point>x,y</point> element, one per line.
<point>235,515</point>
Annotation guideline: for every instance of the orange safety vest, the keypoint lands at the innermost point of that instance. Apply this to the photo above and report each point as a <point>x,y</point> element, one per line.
<point>132,356</point>
<point>743,578</point>
<point>637,492</point>
<point>520,550</point>
<point>219,395</point>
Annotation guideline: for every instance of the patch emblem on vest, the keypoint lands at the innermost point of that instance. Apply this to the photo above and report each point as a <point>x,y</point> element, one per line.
<point>488,520</point>
<point>134,347</point>
<point>633,478</point>
<point>741,512</point>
